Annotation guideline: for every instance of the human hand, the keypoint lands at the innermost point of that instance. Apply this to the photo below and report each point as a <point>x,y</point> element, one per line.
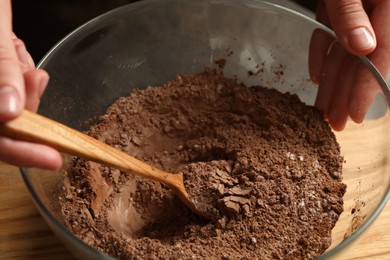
<point>346,88</point>
<point>21,86</point>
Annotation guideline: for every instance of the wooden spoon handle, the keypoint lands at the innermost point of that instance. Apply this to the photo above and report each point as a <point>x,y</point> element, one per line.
<point>36,128</point>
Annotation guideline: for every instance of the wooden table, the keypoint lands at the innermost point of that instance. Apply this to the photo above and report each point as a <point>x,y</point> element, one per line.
<point>25,235</point>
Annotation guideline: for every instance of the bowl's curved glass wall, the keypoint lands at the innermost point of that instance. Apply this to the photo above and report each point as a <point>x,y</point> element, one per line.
<point>149,43</point>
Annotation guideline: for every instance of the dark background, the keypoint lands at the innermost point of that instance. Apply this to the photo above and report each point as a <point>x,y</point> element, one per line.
<point>42,23</point>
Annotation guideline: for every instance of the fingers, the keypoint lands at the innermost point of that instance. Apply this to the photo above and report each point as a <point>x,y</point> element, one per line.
<point>26,154</point>
<point>319,47</point>
<point>352,26</point>
<point>329,78</point>
<point>36,82</point>
<point>346,87</point>
<point>12,95</point>
<point>25,59</point>
<point>21,86</point>
<point>338,111</point>
<point>365,86</point>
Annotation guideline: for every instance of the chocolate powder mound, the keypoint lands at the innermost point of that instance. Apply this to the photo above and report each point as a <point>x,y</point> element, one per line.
<point>271,163</point>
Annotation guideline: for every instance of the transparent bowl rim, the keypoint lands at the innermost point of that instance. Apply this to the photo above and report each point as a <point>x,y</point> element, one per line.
<point>58,226</point>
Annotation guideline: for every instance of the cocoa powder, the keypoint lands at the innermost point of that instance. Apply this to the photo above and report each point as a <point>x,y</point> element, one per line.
<point>272,166</point>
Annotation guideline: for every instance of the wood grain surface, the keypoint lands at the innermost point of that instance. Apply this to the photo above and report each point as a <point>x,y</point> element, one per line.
<point>25,235</point>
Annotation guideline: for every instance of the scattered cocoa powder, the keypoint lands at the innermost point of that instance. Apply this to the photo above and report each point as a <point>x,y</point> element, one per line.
<point>272,164</point>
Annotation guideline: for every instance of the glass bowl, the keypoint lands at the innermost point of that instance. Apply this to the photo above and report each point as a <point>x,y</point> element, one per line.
<point>149,42</point>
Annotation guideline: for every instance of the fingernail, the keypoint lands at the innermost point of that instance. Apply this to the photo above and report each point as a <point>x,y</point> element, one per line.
<point>9,102</point>
<point>22,53</point>
<point>360,39</point>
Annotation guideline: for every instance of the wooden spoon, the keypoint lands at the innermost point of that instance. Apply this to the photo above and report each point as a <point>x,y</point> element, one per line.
<point>36,128</point>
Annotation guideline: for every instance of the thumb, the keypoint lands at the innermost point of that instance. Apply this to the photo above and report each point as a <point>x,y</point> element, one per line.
<point>351,25</point>
<point>12,94</point>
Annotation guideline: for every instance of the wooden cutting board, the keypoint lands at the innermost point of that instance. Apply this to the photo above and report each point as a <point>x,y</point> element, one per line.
<point>25,235</point>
